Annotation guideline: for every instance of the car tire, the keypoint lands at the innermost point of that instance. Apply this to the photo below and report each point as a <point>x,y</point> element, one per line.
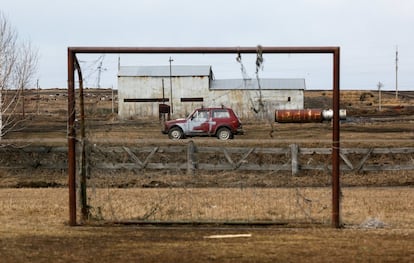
<point>224,134</point>
<point>175,134</point>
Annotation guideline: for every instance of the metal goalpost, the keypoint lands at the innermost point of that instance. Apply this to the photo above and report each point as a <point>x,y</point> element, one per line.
<point>73,66</point>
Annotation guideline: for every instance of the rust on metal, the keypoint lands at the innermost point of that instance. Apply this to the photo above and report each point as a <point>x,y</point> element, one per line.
<point>307,115</point>
<point>298,116</point>
<point>202,50</point>
<point>71,133</point>
<point>335,142</point>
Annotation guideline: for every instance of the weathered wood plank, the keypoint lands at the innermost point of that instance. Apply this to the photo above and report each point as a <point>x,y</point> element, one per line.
<point>364,159</point>
<point>380,167</point>
<point>191,158</point>
<point>132,166</point>
<point>244,157</point>
<point>315,150</point>
<point>228,157</point>
<point>294,149</point>
<point>149,156</point>
<point>133,157</point>
<point>241,150</point>
<point>346,160</point>
<point>190,155</point>
<point>245,167</point>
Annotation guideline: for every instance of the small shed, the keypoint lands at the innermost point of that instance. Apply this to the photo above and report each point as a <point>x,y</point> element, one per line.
<point>142,89</point>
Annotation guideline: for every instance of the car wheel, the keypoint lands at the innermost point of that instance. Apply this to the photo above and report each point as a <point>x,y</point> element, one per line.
<point>224,134</point>
<point>175,133</point>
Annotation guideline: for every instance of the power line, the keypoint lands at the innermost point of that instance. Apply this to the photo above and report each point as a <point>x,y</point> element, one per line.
<point>93,67</point>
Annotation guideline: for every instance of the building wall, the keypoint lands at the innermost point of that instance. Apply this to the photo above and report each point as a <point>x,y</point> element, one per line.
<point>152,87</point>
<point>244,102</point>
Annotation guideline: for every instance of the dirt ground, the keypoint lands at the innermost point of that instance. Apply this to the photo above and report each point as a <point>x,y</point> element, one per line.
<point>34,216</point>
<point>144,244</point>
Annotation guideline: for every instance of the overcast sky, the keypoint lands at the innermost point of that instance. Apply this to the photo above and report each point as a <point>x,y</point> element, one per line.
<point>368,32</point>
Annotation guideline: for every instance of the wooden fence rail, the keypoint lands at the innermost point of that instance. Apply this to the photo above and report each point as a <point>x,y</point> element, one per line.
<point>191,158</point>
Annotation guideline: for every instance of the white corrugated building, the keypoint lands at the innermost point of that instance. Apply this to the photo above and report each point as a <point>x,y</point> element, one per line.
<point>141,89</point>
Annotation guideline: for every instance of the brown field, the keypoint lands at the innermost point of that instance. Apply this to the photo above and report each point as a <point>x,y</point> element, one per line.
<point>34,229</point>
<point>378,219</point>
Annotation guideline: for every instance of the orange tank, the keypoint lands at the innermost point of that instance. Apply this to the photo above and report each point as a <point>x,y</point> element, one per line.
<point>298,116</point>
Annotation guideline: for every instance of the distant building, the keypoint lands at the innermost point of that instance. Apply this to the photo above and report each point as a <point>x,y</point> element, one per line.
<point>142,89</point>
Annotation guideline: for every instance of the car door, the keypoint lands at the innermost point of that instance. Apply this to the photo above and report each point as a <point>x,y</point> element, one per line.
<point>198,123</point>
<point>220,117</point>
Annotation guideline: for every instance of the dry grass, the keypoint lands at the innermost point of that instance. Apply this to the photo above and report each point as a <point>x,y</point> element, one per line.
<point>47,207</point>
<point>33,228</point>
<point>311,205</point>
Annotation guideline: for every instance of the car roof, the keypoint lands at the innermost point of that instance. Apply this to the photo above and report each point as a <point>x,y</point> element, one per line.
<point>213,108</point>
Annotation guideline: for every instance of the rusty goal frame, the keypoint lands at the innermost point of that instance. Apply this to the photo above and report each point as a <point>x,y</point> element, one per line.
<point>74,65</point>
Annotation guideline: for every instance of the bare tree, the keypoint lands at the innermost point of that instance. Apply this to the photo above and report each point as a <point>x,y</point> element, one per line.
<point>18,63</point>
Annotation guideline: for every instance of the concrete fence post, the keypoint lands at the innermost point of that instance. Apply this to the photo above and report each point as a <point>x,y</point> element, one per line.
<point>294,149</point>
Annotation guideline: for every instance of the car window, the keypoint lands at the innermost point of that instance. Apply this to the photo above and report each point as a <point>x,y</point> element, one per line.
<point>221,114</point>
<point>200,115</point>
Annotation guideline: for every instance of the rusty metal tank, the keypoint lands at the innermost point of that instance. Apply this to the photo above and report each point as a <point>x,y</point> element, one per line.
<point>306,115</point>
<point>298,116</point>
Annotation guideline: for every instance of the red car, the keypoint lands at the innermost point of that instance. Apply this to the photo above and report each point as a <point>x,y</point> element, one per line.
<point>220,122</point>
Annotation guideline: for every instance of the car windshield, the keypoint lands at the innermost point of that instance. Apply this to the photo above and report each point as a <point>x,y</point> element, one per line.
<point>191,115</point>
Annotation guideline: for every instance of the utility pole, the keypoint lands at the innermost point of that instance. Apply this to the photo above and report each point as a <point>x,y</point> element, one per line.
<point>163,92</point>
<point>99,74</point>
<point>379,85</point>
<point>112,100</point>
<point>100,69</point>
<point>171,96</point>
<point>119,62</point>
<point>396,73</point>
<point>38,97</point>
<point>22,97</point>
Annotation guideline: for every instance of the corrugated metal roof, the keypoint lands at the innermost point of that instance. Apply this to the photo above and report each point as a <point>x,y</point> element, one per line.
<point>252,84</point>
<point>164,71</point>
